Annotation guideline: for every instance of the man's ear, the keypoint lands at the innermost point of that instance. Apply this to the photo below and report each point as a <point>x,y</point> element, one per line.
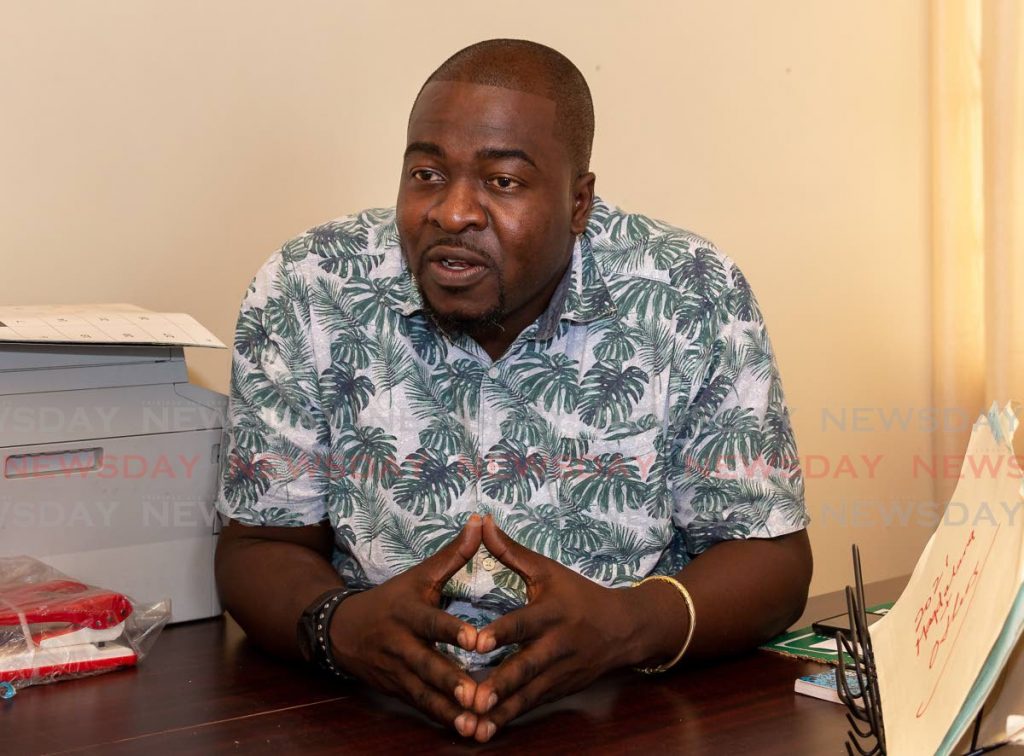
<point>582,201</point>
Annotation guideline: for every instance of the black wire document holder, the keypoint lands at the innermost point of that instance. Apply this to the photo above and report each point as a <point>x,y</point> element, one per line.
<point>866,735</point>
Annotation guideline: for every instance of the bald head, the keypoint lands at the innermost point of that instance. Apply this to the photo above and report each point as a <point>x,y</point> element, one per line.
<point>529,67</point>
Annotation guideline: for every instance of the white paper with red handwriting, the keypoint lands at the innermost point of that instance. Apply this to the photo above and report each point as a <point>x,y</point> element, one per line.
<point>964,595</point>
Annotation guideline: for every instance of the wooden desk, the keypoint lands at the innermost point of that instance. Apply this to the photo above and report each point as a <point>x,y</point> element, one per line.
<point>205,689</point>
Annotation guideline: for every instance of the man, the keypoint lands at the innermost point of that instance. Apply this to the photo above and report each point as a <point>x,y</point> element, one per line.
<point>462,430</point>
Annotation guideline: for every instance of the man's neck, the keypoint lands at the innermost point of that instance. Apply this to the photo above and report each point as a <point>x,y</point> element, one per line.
<point>495,340</point>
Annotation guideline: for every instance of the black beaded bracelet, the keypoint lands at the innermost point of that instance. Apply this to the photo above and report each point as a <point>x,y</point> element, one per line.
<point>314,630</point>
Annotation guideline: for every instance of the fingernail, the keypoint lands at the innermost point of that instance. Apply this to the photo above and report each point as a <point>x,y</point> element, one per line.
<point>459,693</point>
<point>489,729</point>
<point>461,724</point>
<point>463,638</point>
<point>486,644</point>
<point>490,703</point>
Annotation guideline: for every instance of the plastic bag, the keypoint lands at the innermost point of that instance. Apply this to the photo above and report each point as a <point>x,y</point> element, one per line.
<point>53,627</point>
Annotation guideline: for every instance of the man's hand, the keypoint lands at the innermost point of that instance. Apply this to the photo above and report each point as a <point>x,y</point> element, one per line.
<point>571,631</point>
<point>386,635</point>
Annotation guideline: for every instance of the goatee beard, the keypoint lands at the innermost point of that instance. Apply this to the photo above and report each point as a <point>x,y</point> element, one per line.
<point>454,324</point>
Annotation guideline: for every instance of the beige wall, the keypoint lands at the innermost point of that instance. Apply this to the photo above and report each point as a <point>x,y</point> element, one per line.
<point>157,153</point>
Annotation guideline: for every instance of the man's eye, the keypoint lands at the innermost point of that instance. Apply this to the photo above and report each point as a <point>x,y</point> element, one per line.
<point>505,182</point>
<point>425,174</point>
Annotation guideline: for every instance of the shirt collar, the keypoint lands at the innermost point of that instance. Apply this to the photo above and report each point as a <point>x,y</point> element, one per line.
<point>581,296</point>
<point>405,295</point>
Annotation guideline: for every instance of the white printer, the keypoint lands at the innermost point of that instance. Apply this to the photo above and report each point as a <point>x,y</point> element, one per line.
<point>109,461</point>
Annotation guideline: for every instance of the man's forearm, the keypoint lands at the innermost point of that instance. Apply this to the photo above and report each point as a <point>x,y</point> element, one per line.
<point>266,584</point>
<point>744,593</point>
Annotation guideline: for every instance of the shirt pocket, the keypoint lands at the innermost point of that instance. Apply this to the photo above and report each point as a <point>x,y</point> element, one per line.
<point>608,475</point>
<point>613,523</point>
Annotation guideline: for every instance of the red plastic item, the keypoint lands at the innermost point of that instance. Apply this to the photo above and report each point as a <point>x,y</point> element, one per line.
<point>72,629</point>
<point>65,602</point>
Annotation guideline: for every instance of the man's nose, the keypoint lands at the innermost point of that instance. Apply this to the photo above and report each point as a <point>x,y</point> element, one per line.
<point>458,208</point>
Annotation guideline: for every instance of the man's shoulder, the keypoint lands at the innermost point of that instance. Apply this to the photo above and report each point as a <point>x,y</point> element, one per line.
<point>349,246</point>
<point>631,249</point>
<point>341,243</point>
<point>612,225</point>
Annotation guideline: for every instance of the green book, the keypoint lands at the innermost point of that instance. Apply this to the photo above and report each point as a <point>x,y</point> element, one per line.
<point>807,644</point>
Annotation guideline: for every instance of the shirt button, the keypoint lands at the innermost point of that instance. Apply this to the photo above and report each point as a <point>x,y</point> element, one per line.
<point>488,563</point>
<point>492,373</point>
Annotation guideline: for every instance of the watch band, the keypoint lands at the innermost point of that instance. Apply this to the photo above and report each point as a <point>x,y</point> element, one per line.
<point>314,636</point>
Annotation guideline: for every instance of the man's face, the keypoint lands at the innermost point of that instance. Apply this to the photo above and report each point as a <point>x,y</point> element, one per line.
<point>487,209</point>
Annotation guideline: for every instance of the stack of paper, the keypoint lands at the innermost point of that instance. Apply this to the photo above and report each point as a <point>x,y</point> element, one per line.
<point>101,324</point>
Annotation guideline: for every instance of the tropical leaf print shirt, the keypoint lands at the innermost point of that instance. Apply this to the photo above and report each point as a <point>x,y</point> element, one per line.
<point>637,422</point>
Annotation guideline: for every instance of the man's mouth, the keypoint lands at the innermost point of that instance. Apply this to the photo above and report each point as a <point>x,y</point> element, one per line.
<point>456,264</point>
<point>456,256</point>
<point>453,272</point>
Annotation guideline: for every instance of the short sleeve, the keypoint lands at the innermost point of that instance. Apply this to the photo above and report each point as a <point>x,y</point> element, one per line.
<point>734,471</point>
<point>274,471</point>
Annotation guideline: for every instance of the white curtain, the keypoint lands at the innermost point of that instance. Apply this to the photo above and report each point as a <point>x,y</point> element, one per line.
<point>977,64</point>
